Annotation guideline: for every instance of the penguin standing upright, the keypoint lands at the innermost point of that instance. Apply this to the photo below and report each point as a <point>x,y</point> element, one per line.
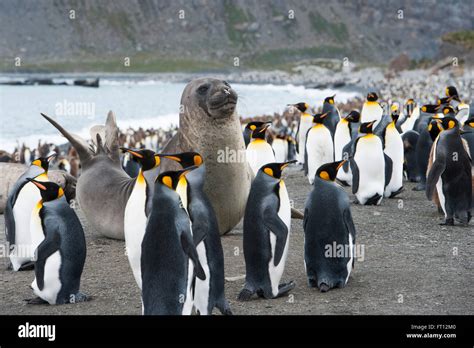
<point>21,201</point>
<point>249,128</point>
<point>328,222</point>
<point>291,148</point>
<point>342,136</point>
<point>450,175</point>
<point>137,209</point>
<point>333,116</point>
<point>60,257</point>
<point>371,110</point>
<point>259,152</point>
<point>304,124</point>
<point>319,146</point>
<point>280,148</point>
<point>368,167</point>
<point>209,293</point>
<point>412,113</point>
<point>267,223</point>
<point>169,262</point>
<point>393,148</point>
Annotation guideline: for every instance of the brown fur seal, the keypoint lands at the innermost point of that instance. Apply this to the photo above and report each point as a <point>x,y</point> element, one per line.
<point>209,125</point>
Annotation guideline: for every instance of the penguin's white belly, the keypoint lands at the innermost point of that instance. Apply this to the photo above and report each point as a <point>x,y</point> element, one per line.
<point>258,154</point>
<point>284,213</point>
<point>36,230</point>
<point>281,150</point>
<point>370,161</point>
<point>134,229</point>
<point>201,294</point>
<point>319,149</point>
<point>394,149</point>
<point>439,184</point>
<point>188,301</point>
<point>305,125</point>
<point>342,137</point>
<point>23,252</point>
<point>351,258</point>
<point>52,282</point>
<point>371,112</point>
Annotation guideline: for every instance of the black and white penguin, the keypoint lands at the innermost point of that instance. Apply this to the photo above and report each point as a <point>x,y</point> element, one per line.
<point>280,147</point>
<point>137,208</point>
<point>249,128</point>
<point>345,132</point>
<point>267,225</point>
<point>333,116</point>
<point>410,140</point>
<point>393,148</point>
<point>371,110</point>
<point>21,201</point>
<point>170,262</point>
<point>412,114</point>
<point>60,257</point>
<point>292,154</point>
<point>304,124</point>
<point>329,242</point>
<point>209,293</point>
<point>450,174</point>
<point>319,146</point>
<point>368,167</point>
<point>259,152</point>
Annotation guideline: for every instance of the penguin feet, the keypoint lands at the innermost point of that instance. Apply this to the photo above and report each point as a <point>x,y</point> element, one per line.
<point>324,287</point>
<point>394,194</point>
<point>285,288</point>
<point>245,294</point>
<point>448,222</point>
<point>224,308</point>
<point>36,301</point>
<point>312,283</point>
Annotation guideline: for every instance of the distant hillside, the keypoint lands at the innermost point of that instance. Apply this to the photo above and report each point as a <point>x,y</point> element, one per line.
<point>190,35</point>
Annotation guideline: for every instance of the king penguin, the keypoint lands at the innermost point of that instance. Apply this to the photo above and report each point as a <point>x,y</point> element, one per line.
<point>328,222</point>
<point>343,135</point>
<point>368,167</point>
<point>137,209</point>
<point>209,293</point>
<point>280,147</point>
<point>319,146</point>
<point>333,115</point>
<point>393,148</point>
<point>170,262</point>
<point>249,128</point>
<point>304,124</point>
<point>412,114</point>
<point>259,152</point>
<point>60,257</point>
<point>450,175</point>
<point>371,110</point>
<point>267,224</point>
<point>21,201</point>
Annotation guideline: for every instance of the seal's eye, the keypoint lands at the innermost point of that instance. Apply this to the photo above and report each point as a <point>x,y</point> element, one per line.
<point>203,89</point>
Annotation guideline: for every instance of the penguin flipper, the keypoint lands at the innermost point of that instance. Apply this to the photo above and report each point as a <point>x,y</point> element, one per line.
<point>388,169</point>
<point>433,176</point>
<point>190,250</point>
<point>10,220</point>
<point>355,175</point>
<point>276,225</point>
<point>47,247</point>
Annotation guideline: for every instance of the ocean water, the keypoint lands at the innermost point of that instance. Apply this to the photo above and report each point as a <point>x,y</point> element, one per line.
<point>135,104</point>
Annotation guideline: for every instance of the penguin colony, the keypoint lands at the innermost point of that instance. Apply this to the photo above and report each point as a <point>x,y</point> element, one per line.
<point>171,232</point>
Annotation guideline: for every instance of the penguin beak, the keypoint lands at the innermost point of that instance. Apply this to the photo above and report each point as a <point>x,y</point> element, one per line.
<point>186,171</point>
<point>134,153</point>
<point>286,164</point>
<point>264,128</point>
<point>37,184</point>
<point>324,115</point>
<point>340,164</point>
<point>50,157</point>
<point>171,157</point>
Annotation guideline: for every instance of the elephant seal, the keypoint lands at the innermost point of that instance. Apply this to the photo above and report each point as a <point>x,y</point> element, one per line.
<point>103,188</point>
<point>10,172</point>
<point>209,125</point>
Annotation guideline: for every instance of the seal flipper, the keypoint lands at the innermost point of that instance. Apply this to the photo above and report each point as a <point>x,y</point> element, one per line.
<point>77,142</point>
<point>276,225</point>
<point>46,248</point>
<point>111,137</point>
<point>388,169</point>
<point>190,250</point>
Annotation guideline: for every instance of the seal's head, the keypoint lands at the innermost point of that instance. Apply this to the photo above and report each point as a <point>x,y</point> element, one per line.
<point>215,97</point>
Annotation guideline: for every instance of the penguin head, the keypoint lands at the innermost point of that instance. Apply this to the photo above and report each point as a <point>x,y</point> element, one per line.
<point>448,122</point>
<point>449,111</point>
<point>171,179</point>
<point>395,112</point>
<point>274,170</point>
<point>430,108</point>
<point>43,162</point>
<point>300,106</point>
<point>372,96</point>
<point>409,106</point>
<point>49,190</point>
<point>328,171</point>
<point>330,100</point>
<point>260,131</point>
<point>319,118</point>
<point>452,93</point>
<point>185,159</point>
<point>366,127</point>
<point>353,116</point>
<point>147,159</point>
<point>254,125</point>
<point>434,128</point>
<point>469,122</point>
